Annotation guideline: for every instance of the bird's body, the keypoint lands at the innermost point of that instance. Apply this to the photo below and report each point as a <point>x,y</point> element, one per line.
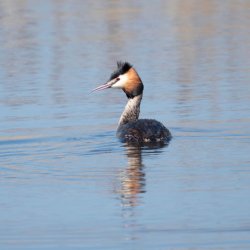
<point>143,131</point>
<point>130,128</point>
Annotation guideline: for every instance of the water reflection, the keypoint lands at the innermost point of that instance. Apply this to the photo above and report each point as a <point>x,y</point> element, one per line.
<point>133,178</point>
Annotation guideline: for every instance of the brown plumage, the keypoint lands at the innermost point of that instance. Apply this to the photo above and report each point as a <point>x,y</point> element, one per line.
<point>134,82</point>
<point>143,131</point>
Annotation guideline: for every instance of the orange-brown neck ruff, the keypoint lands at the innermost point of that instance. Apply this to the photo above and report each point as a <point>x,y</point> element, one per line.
<point>134,86</point>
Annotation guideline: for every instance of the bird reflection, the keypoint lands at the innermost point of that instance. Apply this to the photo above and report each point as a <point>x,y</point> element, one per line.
<point>133,178</point>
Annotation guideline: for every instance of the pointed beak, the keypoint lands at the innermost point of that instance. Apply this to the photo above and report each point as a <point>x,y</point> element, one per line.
<point>105,86</point>
<point>101,87</point>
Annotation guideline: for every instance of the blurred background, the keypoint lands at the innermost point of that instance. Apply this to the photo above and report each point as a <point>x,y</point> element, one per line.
<point>65,180</point>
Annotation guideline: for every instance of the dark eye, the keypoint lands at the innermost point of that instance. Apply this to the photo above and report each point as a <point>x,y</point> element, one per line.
<point>117,79</point>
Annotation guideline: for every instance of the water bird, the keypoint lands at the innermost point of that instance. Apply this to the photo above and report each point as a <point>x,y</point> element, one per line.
<point>130,128</point>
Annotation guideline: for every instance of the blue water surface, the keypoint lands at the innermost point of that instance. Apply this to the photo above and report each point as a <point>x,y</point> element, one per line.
<point>66,182</point>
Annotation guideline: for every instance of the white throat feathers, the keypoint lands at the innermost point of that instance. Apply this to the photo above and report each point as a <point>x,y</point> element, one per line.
<point>131,111</point>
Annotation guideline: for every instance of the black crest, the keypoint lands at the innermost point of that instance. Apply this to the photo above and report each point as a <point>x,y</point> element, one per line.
<point>122,68</point>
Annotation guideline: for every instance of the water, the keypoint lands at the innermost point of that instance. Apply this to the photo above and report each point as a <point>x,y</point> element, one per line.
<point>66,182</point>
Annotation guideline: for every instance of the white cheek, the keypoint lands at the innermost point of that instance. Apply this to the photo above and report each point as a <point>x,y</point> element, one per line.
<point>121,83</point>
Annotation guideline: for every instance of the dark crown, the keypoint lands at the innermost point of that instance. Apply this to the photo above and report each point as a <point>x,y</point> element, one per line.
<point>122,68</point>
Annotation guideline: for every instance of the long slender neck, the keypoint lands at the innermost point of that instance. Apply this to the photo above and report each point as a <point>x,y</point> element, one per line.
<point>131,111</point>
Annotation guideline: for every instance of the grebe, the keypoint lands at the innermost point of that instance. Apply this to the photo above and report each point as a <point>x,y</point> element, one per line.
<point>130,128</point>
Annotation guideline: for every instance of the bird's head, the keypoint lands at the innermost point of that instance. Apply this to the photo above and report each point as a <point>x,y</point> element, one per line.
<point>126,78</point>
